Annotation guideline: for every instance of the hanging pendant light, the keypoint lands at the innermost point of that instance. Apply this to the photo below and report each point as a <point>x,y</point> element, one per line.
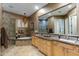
<point>24,18</point>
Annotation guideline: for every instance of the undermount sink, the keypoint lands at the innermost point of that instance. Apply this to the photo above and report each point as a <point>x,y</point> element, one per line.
<point>47,36</point>
<point>70,41</point>
<point>54,37</point>
<point>77,42</point>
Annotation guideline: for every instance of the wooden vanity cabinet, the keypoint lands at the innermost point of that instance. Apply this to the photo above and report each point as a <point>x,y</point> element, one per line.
<point>68,49</point>
<point>72,52</point>
<point>33,40</point>
<point>55,48</point>
<point>49,47</point>
<point>64,49</point>
<point>43,45</point>
<point>58,50</point>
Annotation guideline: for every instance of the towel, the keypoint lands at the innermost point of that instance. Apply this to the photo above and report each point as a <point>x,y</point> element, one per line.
<point>4,38</point>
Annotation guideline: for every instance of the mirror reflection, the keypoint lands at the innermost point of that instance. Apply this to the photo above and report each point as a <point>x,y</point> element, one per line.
<point>62,20</point>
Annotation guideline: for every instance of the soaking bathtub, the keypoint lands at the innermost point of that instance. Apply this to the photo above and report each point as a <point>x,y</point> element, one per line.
<point>24,41</point>
<point>24,38</point>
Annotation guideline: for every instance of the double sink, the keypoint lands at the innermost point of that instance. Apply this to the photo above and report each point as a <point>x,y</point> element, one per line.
<point>72,40</point>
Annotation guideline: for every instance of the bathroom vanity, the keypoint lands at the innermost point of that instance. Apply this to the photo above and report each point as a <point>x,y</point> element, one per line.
<point>64,40</point>
<point>55,46</point>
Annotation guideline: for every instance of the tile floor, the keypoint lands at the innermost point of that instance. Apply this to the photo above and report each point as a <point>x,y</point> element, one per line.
<point>22,51</point>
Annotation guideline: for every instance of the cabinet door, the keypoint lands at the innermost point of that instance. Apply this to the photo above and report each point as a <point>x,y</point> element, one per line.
<point>49,51</point>
<point>58,50</point>
<point>41,45</point>
<point>45,46</point>
<point>72,53</point>
<point>36,41</point>
<point>49,48</point>
<point>33,40</point>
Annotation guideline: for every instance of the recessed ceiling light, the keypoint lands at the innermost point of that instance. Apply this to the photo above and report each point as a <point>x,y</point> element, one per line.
<point>36,7</point>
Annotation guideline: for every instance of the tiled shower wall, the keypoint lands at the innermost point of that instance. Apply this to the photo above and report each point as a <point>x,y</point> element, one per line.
<point>8,21</point>
<point>0,26</point>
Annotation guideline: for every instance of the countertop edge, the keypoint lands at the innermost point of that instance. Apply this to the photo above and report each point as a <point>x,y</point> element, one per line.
<point>57,40</point>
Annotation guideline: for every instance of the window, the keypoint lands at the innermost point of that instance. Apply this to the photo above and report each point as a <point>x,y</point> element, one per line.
<point>19,23</point>
<point>72,25</point>
<point>59,26</point>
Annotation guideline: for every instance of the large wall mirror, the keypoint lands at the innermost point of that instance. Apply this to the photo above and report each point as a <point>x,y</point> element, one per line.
<point>60,21</point>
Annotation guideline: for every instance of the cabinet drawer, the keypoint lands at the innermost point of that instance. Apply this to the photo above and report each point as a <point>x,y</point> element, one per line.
<point>49,43</point>
<point>49,51</point>
<point>72,53</point>
<point>55,43</point>
<point>76,48</point>
<point>68,46</point>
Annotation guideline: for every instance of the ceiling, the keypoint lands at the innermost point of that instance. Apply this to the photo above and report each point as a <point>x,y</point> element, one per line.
<point>61,11</point>
<point>21,8</point>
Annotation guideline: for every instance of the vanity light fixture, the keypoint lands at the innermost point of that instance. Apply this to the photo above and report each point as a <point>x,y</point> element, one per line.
<point>42,11</point>
<point>24,18</point>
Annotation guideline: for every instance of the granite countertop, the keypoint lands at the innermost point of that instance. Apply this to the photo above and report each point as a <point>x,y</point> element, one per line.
<point>67,41</point>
